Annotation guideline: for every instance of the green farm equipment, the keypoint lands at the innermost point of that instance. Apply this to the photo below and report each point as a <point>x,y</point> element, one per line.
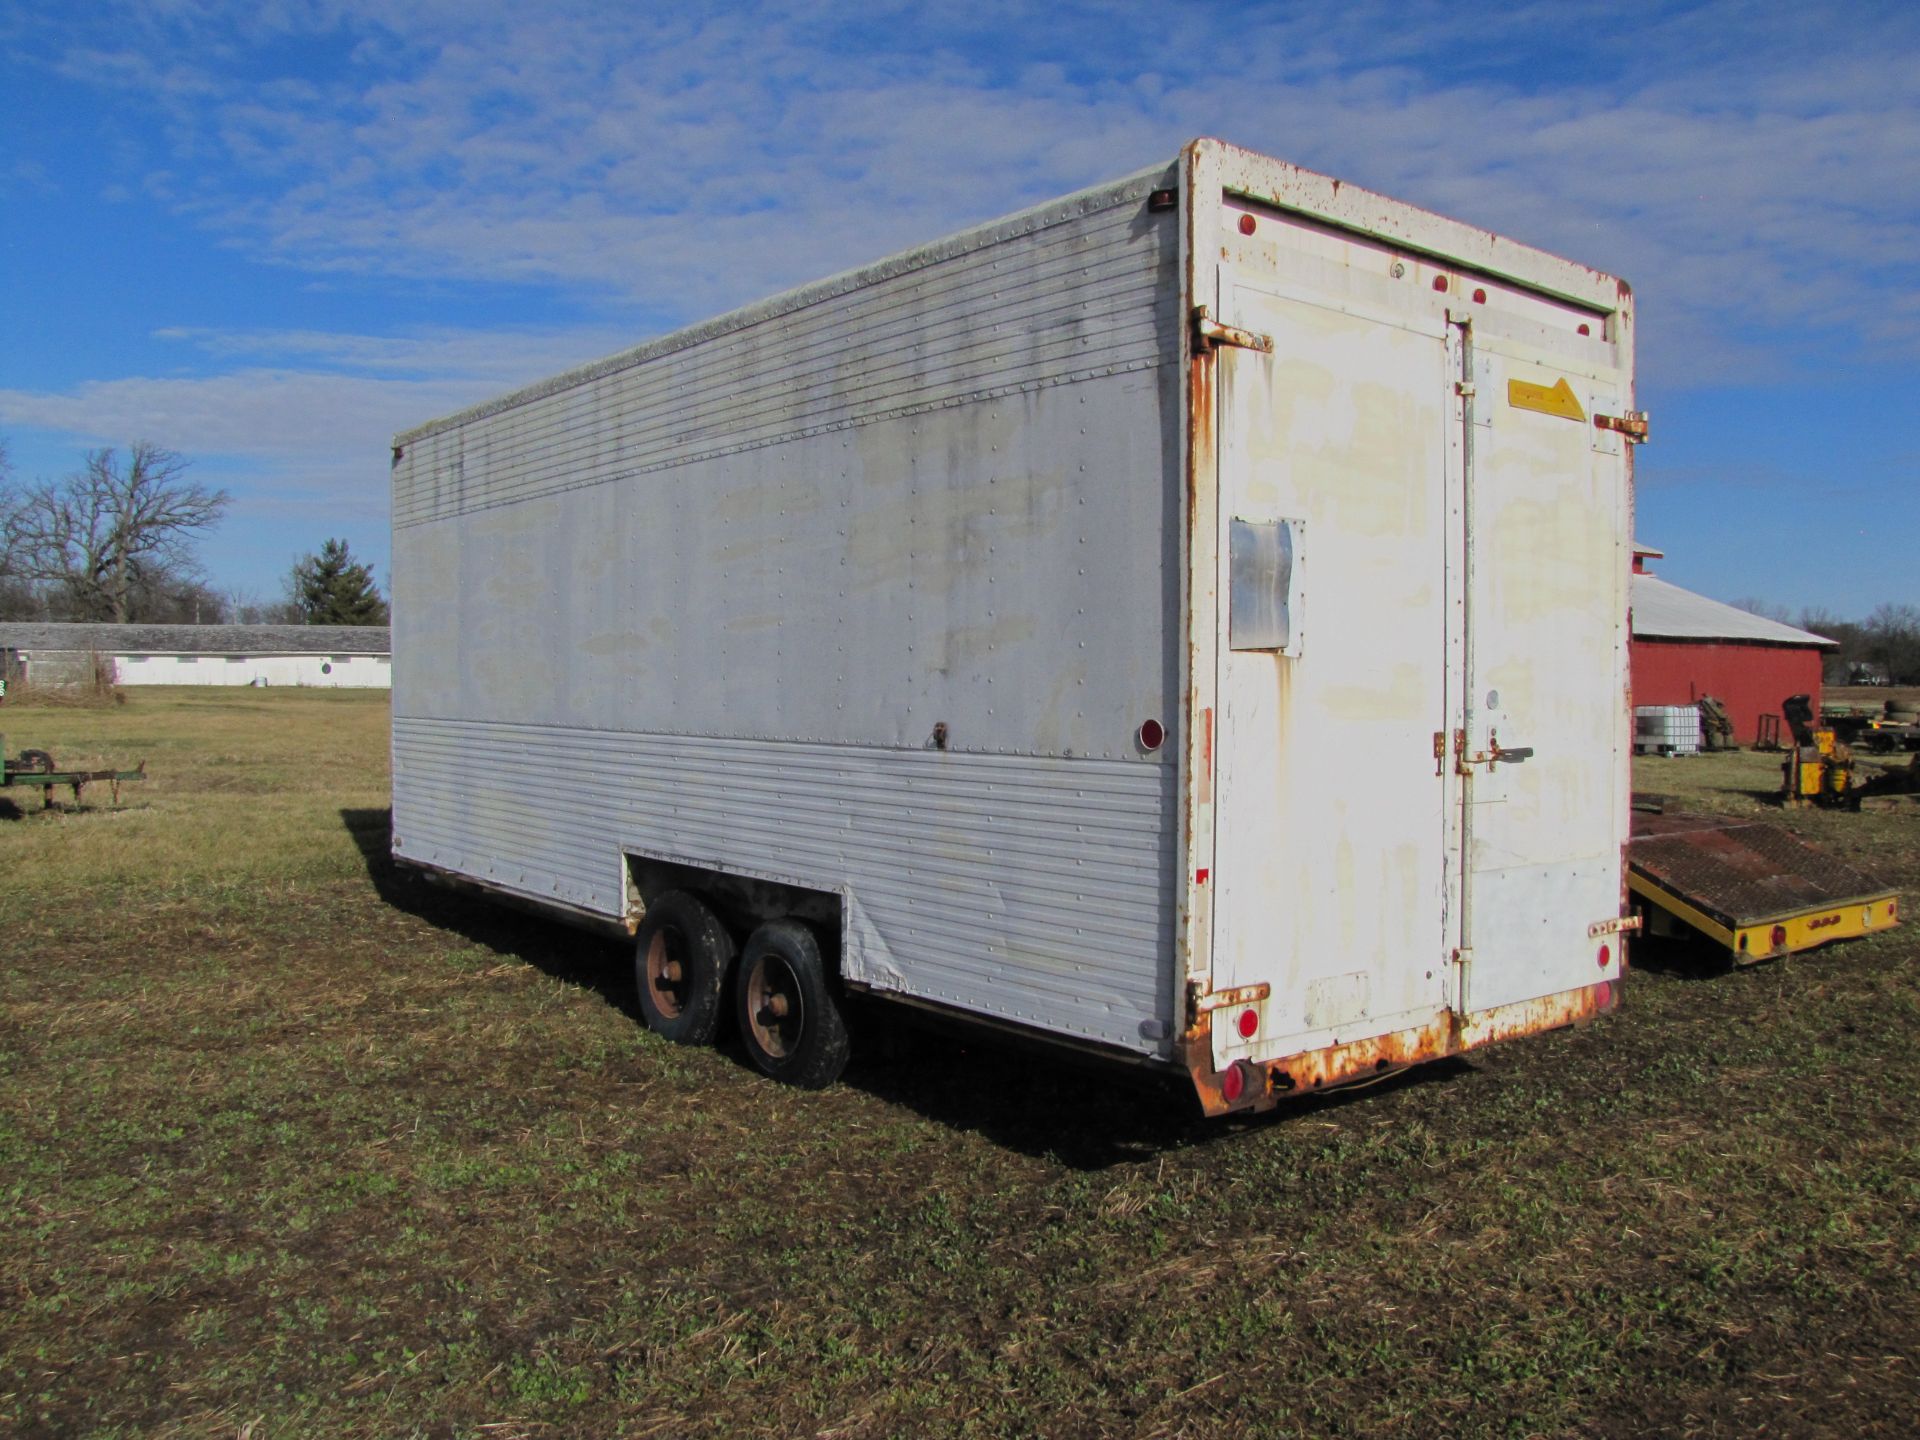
<point>37,767</point>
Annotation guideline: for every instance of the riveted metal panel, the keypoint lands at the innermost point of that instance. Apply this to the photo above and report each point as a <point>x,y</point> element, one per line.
<point>1377,847</point>
<point>1035,890</point>
<point>715,599</point>
<point>1074,292</point>
<point>1264,593</point>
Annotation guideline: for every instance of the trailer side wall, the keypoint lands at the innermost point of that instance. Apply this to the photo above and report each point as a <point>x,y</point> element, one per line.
<point>713,600</point>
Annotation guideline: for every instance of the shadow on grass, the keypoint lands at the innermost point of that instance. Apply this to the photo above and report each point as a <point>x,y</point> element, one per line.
<point>556,949</point>
<point>1033,1098</point>
<point>1681,957</point>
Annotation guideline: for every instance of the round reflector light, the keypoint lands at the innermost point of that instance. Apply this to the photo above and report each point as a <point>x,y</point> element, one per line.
<point>1249,1022</point>
<point>1152,734</point>
<point>1233,1084</point>
<point>1606,956</point>
<point>1246,224</point>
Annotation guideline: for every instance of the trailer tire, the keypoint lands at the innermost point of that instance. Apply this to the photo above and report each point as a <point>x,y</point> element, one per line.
<point>682,955</point>
<point>790,1018</point>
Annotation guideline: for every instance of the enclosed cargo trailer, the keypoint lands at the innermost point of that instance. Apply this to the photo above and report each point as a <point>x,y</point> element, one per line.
<point>1187,621</point>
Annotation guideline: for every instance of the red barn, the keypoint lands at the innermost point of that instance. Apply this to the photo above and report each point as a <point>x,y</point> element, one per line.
<point>1686,646</point>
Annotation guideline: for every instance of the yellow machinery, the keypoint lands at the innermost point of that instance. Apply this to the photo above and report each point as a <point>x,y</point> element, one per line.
<point>1819,768</point>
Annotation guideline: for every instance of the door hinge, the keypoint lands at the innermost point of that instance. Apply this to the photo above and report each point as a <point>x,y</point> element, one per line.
<point>1621,925</point>
<point>1633,425</point>
<point>1209,333</point>
<point>1219,999</point>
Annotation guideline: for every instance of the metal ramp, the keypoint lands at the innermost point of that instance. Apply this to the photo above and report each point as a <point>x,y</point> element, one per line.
<point>1751,887</point>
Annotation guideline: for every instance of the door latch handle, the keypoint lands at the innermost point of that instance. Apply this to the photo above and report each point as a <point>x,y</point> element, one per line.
<point>1491,756</point>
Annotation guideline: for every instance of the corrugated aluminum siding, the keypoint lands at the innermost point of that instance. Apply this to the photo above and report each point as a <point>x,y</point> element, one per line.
<point>1031,889</point>
<point>708,600</point>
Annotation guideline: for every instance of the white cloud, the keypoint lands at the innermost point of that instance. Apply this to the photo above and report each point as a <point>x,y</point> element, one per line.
<point>318,415</point>
<point>690,161</point>
<point>673,163</point>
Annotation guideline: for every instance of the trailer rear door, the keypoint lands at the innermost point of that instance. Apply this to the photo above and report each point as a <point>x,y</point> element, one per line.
<point>1331,824</point>
<point>1540,555</point>
<point>1419,796</point>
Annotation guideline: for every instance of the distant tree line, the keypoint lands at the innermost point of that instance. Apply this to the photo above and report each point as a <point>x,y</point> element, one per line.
<point>114,542</point>
<point>1885,645</point>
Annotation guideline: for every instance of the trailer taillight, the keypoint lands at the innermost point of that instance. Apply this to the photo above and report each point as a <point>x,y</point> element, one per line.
<point>1779,936</point>
<point>1249,1022</point>
<point>1606,956</point>
<point>1152,734</point>
<point>1233,1084</point>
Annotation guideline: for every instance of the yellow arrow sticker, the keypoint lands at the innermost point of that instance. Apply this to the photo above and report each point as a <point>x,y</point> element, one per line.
<point>1555,399</point>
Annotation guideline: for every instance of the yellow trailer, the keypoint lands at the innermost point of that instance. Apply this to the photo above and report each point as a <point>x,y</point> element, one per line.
<point>1753,888</point>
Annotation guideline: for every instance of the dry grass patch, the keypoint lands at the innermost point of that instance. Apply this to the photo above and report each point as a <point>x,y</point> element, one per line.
<point>290,1143</point>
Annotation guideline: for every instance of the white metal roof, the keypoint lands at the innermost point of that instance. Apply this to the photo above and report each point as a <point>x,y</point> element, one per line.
<point>198,639</point>
<point>1666,612</point>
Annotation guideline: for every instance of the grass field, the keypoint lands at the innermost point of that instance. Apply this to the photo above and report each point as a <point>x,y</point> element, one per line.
<point>291,1146</point>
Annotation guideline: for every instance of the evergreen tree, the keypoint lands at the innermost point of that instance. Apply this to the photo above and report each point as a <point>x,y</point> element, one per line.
<point>332,588</point>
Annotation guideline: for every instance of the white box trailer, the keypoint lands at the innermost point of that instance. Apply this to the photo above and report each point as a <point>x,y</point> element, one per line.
<point>1187,620</point>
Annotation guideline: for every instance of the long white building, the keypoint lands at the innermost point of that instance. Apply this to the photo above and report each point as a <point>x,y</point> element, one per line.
<point>329,656</point>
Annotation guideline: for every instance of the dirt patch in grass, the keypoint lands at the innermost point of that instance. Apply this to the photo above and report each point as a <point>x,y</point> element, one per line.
<point>290,1141</point>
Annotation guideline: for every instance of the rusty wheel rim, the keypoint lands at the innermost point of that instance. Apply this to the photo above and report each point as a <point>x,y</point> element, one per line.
<point>666,968</point>
<point>775,1013</point>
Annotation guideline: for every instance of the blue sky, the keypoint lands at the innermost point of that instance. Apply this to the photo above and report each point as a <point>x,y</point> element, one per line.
<point>271,234</point>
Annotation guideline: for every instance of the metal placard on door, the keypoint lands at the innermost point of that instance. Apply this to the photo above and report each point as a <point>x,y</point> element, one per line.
<point>1263,584</point>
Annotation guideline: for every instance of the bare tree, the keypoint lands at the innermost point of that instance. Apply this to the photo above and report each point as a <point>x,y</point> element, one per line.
<point>112,539</point>
<point>1765,609</point>
<point>1892,635</point>
<point>1839,663</point>
<point>246,607</point>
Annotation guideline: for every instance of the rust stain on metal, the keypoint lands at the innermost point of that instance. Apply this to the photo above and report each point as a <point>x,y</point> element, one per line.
<point>1447,1034</point>
<point>1620,925</point>
<point>1221,999</point>
<point>1634,425</point>
<point>1209,334</point>
<point>1192,942</point>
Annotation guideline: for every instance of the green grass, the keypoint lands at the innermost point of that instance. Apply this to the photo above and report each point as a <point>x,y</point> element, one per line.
<point>289,1142</point>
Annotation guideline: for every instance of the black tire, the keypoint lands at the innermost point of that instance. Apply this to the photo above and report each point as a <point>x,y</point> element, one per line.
<point>790,1017</point>
<point>682,954</point>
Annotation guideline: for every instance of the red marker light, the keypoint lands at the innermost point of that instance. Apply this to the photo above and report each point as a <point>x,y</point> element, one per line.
<point>1440,283</point>
<point>1233,1084</point>
<point>1586,329</point>
<point>1249,1022</point>
<point>1606,956</point>
<point>1247,223</point>
<point>1152,734</point>
<point>1479,297</point>
<point>1779,936</point>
